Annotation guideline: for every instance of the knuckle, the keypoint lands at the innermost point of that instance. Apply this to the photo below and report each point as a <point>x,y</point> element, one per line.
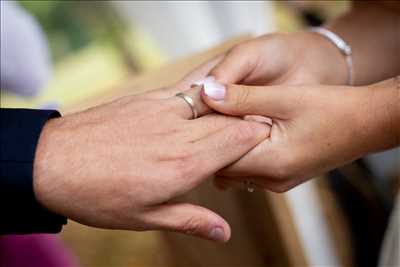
<point>166,106</point>
<point>241,99</point>
<point>241,48</point>
<point>184,166</point>
<point>191,226</point>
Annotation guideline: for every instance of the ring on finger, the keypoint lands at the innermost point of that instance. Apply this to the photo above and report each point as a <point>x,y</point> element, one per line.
<point>190,102</point>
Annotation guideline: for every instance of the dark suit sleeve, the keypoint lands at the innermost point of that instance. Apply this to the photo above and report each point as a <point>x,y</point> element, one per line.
<point>19,211</point>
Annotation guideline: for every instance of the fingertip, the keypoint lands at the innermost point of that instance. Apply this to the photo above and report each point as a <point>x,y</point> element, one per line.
<point>226,233</point>
<point>216,105</point>
<point>209,225</point>
<point>230,99</point>
<point>214,90</point>
<point>205,97</point>
<point>220,230</point>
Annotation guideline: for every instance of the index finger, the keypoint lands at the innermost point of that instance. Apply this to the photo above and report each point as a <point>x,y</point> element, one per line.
<point>229,144</point>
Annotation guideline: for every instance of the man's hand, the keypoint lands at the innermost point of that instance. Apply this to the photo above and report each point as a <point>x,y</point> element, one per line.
<point>118,165</point>
<point>315,128</point>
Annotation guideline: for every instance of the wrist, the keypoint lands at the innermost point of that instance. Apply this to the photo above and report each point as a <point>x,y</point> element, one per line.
<point>44,163</point>
<point>325,60</point>
<point>387,107</point>
<point>381,114</point>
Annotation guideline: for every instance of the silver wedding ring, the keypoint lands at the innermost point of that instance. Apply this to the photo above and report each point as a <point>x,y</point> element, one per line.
<point>190,102</point>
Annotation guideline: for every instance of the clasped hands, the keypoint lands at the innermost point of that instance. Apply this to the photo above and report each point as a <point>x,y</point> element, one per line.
<point>119,165</point>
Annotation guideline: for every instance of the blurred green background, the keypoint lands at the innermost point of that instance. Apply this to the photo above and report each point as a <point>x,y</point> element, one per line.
<point>93,48</point>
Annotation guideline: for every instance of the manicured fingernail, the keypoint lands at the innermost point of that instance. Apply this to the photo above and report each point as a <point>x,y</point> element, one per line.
<point>217,234</point>
<point>214,90</point>
<point>206,79</point>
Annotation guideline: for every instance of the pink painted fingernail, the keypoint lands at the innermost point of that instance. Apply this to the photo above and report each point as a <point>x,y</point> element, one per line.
<point>214,90</point>
<point>203,81</point>
<point>217,234</point>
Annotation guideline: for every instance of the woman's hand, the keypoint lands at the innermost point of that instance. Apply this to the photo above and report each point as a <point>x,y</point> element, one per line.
<point>315,128</point>
<point>309,58</point>
<point>119,165</point>
<point>278,58</point>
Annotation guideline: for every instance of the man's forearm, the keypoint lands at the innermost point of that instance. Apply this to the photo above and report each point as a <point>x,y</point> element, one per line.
<point>372,29</point>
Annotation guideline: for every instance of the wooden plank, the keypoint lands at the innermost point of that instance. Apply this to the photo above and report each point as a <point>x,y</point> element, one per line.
<point>288,233</point>
<point>337,223</point>
<point>256,235</point>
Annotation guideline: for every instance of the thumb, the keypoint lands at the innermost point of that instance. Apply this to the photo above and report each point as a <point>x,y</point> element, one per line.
<point>240,100</point>
<point>189,219</point>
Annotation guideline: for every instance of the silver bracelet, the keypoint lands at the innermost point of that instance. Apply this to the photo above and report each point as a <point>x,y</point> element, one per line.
<point>343,47</point>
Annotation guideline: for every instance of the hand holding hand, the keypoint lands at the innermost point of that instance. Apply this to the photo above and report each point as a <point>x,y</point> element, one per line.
<point>315,128</point>
<point>118,165</point>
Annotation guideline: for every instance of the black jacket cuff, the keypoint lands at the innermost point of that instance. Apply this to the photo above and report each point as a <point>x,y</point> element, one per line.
<point>20,212</point>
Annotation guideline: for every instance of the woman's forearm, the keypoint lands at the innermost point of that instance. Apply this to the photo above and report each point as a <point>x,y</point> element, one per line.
<point>372,29</point>
<point>382,121</point>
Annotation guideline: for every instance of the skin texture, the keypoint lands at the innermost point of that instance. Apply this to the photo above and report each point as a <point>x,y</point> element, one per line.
<point>372,30</point>
<point>87,166</point>
<point>121,164</point>
<point>309,58</point>
<point>281,58</point>
<point>305,58</point>
<point>315,128</point>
